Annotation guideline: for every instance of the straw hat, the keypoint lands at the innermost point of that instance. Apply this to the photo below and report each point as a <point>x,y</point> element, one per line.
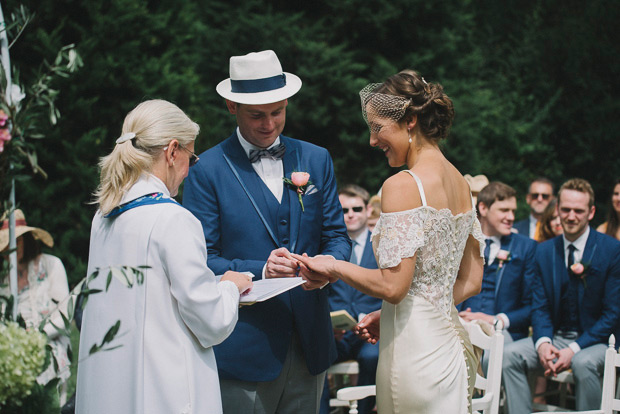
<point>22,228</point>
<point>477,183</point>
<point>257,79</point>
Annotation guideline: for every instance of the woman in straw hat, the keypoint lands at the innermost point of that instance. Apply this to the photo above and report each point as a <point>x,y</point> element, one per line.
<point>42,291</point>
<point>429,248</point>
<point>162,359</point>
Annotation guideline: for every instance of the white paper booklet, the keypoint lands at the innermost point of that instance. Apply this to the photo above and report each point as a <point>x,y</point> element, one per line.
<point>268,288</point>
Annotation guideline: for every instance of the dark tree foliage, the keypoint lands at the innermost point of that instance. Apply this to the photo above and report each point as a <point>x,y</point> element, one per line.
<point>534,83</point>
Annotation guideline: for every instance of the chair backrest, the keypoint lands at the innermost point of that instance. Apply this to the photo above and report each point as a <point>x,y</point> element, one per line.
<point>612,363</point>
<point>353,394</point>
<point>494,345</point>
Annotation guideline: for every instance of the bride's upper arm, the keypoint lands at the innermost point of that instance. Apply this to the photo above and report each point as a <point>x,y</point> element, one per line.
<point>399,193</point>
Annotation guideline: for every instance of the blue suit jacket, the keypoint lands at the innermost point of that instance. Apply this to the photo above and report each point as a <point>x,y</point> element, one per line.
<point>598,299</point>
<point>241,229</point>
<point>523,227</point>
<point>513,287</point>
<point>343,296</point>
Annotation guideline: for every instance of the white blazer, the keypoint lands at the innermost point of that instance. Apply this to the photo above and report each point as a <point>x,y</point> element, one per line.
<point>165,362</point>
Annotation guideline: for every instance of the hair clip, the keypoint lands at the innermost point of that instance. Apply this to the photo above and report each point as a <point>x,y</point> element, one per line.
<point>125,137</point>
<point>424,80</point>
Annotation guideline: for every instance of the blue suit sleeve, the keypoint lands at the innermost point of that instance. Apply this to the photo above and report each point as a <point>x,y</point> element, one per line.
<point>542,321</point>
<point>610,316</point>
<point>200,197</point>
<point>520,318</point>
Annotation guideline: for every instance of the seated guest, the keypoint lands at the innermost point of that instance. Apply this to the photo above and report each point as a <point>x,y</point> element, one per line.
<point>505,298</point>
<point>549,225</point>
<point>575,306</point>
<point>374,206</point>
<point>612,226</point>
<point>540,193</point>
<point>354,200</point>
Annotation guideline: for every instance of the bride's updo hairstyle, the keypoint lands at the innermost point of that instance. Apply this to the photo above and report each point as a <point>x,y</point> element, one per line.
<point>147,129</point>
<point>406,94</point>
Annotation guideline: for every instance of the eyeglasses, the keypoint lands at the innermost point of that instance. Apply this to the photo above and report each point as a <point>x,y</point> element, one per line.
<point>193,158</point>
<point>355,209</point>
<point>543,195</point>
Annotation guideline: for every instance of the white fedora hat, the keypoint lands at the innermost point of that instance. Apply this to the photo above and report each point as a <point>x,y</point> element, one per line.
<point>257,78</point>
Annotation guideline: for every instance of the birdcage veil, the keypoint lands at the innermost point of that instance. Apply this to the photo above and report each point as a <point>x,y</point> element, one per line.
<point>382,106</point>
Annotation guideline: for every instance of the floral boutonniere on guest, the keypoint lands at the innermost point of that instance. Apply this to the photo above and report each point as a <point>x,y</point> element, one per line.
<point>504,257</point>
<point>580,271</point>
<point>299,180</point>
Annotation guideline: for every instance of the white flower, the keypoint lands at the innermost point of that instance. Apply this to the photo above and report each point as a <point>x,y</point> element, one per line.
<point>16,95</point>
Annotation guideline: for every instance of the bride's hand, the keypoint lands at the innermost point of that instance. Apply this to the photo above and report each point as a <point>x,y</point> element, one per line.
<point>368,328</point>
<point>317,270</point>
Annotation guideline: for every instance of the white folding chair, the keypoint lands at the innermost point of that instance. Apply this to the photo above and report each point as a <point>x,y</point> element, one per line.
<point>608,402</point>
<point>341,369</point>
<point>563,379</point>
<point>351,395</point>
<point>494,345</point>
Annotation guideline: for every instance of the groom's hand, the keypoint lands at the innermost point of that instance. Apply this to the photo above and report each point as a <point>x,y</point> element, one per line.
<point>280,264</point>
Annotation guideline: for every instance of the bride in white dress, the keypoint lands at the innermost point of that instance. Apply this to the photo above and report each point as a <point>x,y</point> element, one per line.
<point>429,248</point>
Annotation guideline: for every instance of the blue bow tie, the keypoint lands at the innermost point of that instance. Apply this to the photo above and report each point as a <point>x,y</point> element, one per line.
<point>275,153</point>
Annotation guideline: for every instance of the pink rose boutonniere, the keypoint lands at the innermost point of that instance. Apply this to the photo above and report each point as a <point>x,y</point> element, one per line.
<point>579,270</point>
<point>504,257</point>
<point>299,180</point>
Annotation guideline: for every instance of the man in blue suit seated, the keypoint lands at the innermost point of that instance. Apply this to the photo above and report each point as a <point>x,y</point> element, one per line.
<point>575,306</point>
<point>275,359</point>
<point>539,195</point>
<point>505,299</point>
<point>354,200</point>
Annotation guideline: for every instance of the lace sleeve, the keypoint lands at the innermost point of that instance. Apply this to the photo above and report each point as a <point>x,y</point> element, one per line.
<point>398,235</point>
<point>476,231</point>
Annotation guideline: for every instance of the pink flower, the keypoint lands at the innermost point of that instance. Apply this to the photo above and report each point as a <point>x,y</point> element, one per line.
<point>300,179</point>
<point>577,268</point>
<point>3,118</point>
<point>503,255</point>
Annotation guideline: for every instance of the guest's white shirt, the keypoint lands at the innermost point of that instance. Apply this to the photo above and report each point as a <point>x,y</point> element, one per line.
<point>269,170</point>
<point>533,223</point>
<point>360,245</point>
<point>580,245</point>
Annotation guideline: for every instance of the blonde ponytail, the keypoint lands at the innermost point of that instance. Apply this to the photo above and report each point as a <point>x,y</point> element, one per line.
<point>155,123</point>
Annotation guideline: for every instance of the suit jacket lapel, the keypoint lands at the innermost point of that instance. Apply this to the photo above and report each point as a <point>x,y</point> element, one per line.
<point>506,244</point>
<point>558,268</point>
<point>588,255</point>
<point>291,162</point>
<point>240,165</point>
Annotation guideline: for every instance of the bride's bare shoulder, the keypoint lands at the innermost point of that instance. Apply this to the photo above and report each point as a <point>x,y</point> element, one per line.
<point>400,193</point>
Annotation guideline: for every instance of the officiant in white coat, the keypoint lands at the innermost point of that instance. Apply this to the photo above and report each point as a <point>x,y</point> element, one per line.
<point>162,359</point>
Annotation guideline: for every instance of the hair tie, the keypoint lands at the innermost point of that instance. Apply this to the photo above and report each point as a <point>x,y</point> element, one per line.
<point>125,137</point>
<point>424,80</point>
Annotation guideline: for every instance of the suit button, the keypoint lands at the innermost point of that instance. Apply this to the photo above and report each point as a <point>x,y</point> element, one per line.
<point>285,241</point>
<point>283,222</point>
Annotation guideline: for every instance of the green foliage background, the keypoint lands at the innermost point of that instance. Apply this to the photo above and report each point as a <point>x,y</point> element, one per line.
<point>535,85</point>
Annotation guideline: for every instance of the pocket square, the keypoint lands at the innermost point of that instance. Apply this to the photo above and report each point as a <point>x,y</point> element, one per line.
<point>311,189</point>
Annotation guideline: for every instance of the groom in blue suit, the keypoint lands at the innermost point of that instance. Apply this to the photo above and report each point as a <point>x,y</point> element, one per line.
<point>505,299</point>
<point>575,306</point>
<point>275,359</point>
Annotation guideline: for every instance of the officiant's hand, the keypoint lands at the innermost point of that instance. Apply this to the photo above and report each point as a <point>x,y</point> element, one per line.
<point>317,270</point>
<point>281,264</point>
<point>243,282</point>
<point>368,328</point>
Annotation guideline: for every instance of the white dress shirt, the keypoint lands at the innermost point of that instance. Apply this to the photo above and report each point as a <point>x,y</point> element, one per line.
<point>533,223</point>
<point>269,170</point>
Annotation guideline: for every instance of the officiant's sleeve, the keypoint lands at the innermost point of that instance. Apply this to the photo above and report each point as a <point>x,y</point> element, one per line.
<point>209,309</point>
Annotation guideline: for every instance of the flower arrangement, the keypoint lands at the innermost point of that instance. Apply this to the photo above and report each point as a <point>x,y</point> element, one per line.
<point>579,270</point>
<point>23,357</point>
<point>299,180</point>
<point>503,256</point>
<point>5,132</point>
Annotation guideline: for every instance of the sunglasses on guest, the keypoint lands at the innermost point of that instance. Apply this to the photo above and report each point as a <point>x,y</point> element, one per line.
<point>345,210</point>
<point>543,195</point>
